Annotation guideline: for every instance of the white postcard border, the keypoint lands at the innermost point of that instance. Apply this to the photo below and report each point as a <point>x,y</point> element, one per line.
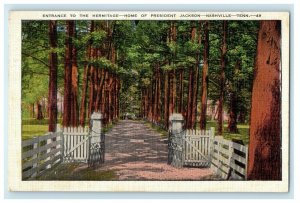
<point>14,138</point>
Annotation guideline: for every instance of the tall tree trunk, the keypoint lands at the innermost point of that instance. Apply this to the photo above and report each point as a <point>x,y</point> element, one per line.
<point>68,74</point>
<point>232,120</point>
<point>91,91</point>
<point>146,103</point>
<point>86,80</point>
<point>33,110</point>
<point>83,96</point>
<point>204,77</point>
<point>74,90</point>
<point>265,124</point>
<point>158,111</point>
<point>39,115</point>
<point>104,89</point>
<point>174,90</point>
<point>172,73</point>
<point>242,115</point>
<point>118,97</point>
<point>52,98</point>
<point>190,99</point>
<point>180,92</point>
<point>171,101</point>
<point>150,102</point>
<point>233,107</point>
<point>222,77</point>
<point>166,100</point>
<point>101,79</point>
<point>194,97</point>
<point>195,79</point>
<point>155,95</point>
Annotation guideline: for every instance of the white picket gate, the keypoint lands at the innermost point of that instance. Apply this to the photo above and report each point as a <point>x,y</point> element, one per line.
<point>201,148</point>
<point>196,147</point>
<point>76,144</point>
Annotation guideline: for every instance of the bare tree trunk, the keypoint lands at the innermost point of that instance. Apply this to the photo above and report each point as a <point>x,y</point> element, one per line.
<point>233,108</point>
<point>91,91</point>
<point>33,111</point>
<point>68,74</point>
<point>222,77</point>
<point>101,79</point>
<point>171,104</point>
<point>194,97</point>
<point>232,121</point>
<point>86,81</point>
<point>196,75</point>
<point>190,99</point>
<point>166,100</point>
<point>39,111</point>
<point>180,92</point>
<point>265,125</point>
<point>204,78</point>
<point>158,112</point>
<point>155,95</point>
<point>83,96</point>
<point>52,77</point>
<point>74,89</point>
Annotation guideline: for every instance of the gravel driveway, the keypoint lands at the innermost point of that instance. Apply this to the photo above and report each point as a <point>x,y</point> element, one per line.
<point>137,152</point>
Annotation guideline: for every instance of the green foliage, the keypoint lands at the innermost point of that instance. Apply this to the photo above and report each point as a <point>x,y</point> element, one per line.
<point>103,62</point>
<point>141,47</point>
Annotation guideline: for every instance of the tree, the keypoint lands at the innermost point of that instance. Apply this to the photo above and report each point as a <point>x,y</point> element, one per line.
<point>233,105</point>
<point>70,115</point>
<point>86,78</point>
<point>265,138</point>
<point>222,77</point>
<point>204,84</point>
<point>52,98</point>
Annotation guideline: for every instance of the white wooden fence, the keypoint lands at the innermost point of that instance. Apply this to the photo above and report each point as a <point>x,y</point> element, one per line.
<point>72,144</point>
<point>41,153</point>
<point>229,159</point>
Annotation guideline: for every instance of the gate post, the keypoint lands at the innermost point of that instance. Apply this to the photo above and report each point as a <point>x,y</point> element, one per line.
<point>96,127</point>
<point>176,121</point>
<point>176,148</point>
<point>96,142</point>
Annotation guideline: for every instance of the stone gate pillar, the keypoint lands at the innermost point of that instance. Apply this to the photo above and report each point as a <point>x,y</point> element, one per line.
<point>175,146</point>
<point>96,145</point>
<point>96,127</point>
<point>176,123</point>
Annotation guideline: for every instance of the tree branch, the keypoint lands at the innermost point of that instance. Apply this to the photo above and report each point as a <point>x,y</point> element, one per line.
<point>37,59</point>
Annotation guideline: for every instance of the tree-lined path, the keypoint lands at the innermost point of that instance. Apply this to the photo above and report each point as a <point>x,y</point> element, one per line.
<point>215,73</point>
<point>137,152</point>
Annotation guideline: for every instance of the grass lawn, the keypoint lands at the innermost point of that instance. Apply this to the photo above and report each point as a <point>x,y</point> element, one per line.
<point>243,129</point>
<point>32,127</point>
<point>243,133</point>
<point>30,131</point>
<point>73,171</point>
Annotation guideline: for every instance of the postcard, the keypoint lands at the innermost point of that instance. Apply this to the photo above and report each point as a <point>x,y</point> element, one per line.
<point>148,101</point>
